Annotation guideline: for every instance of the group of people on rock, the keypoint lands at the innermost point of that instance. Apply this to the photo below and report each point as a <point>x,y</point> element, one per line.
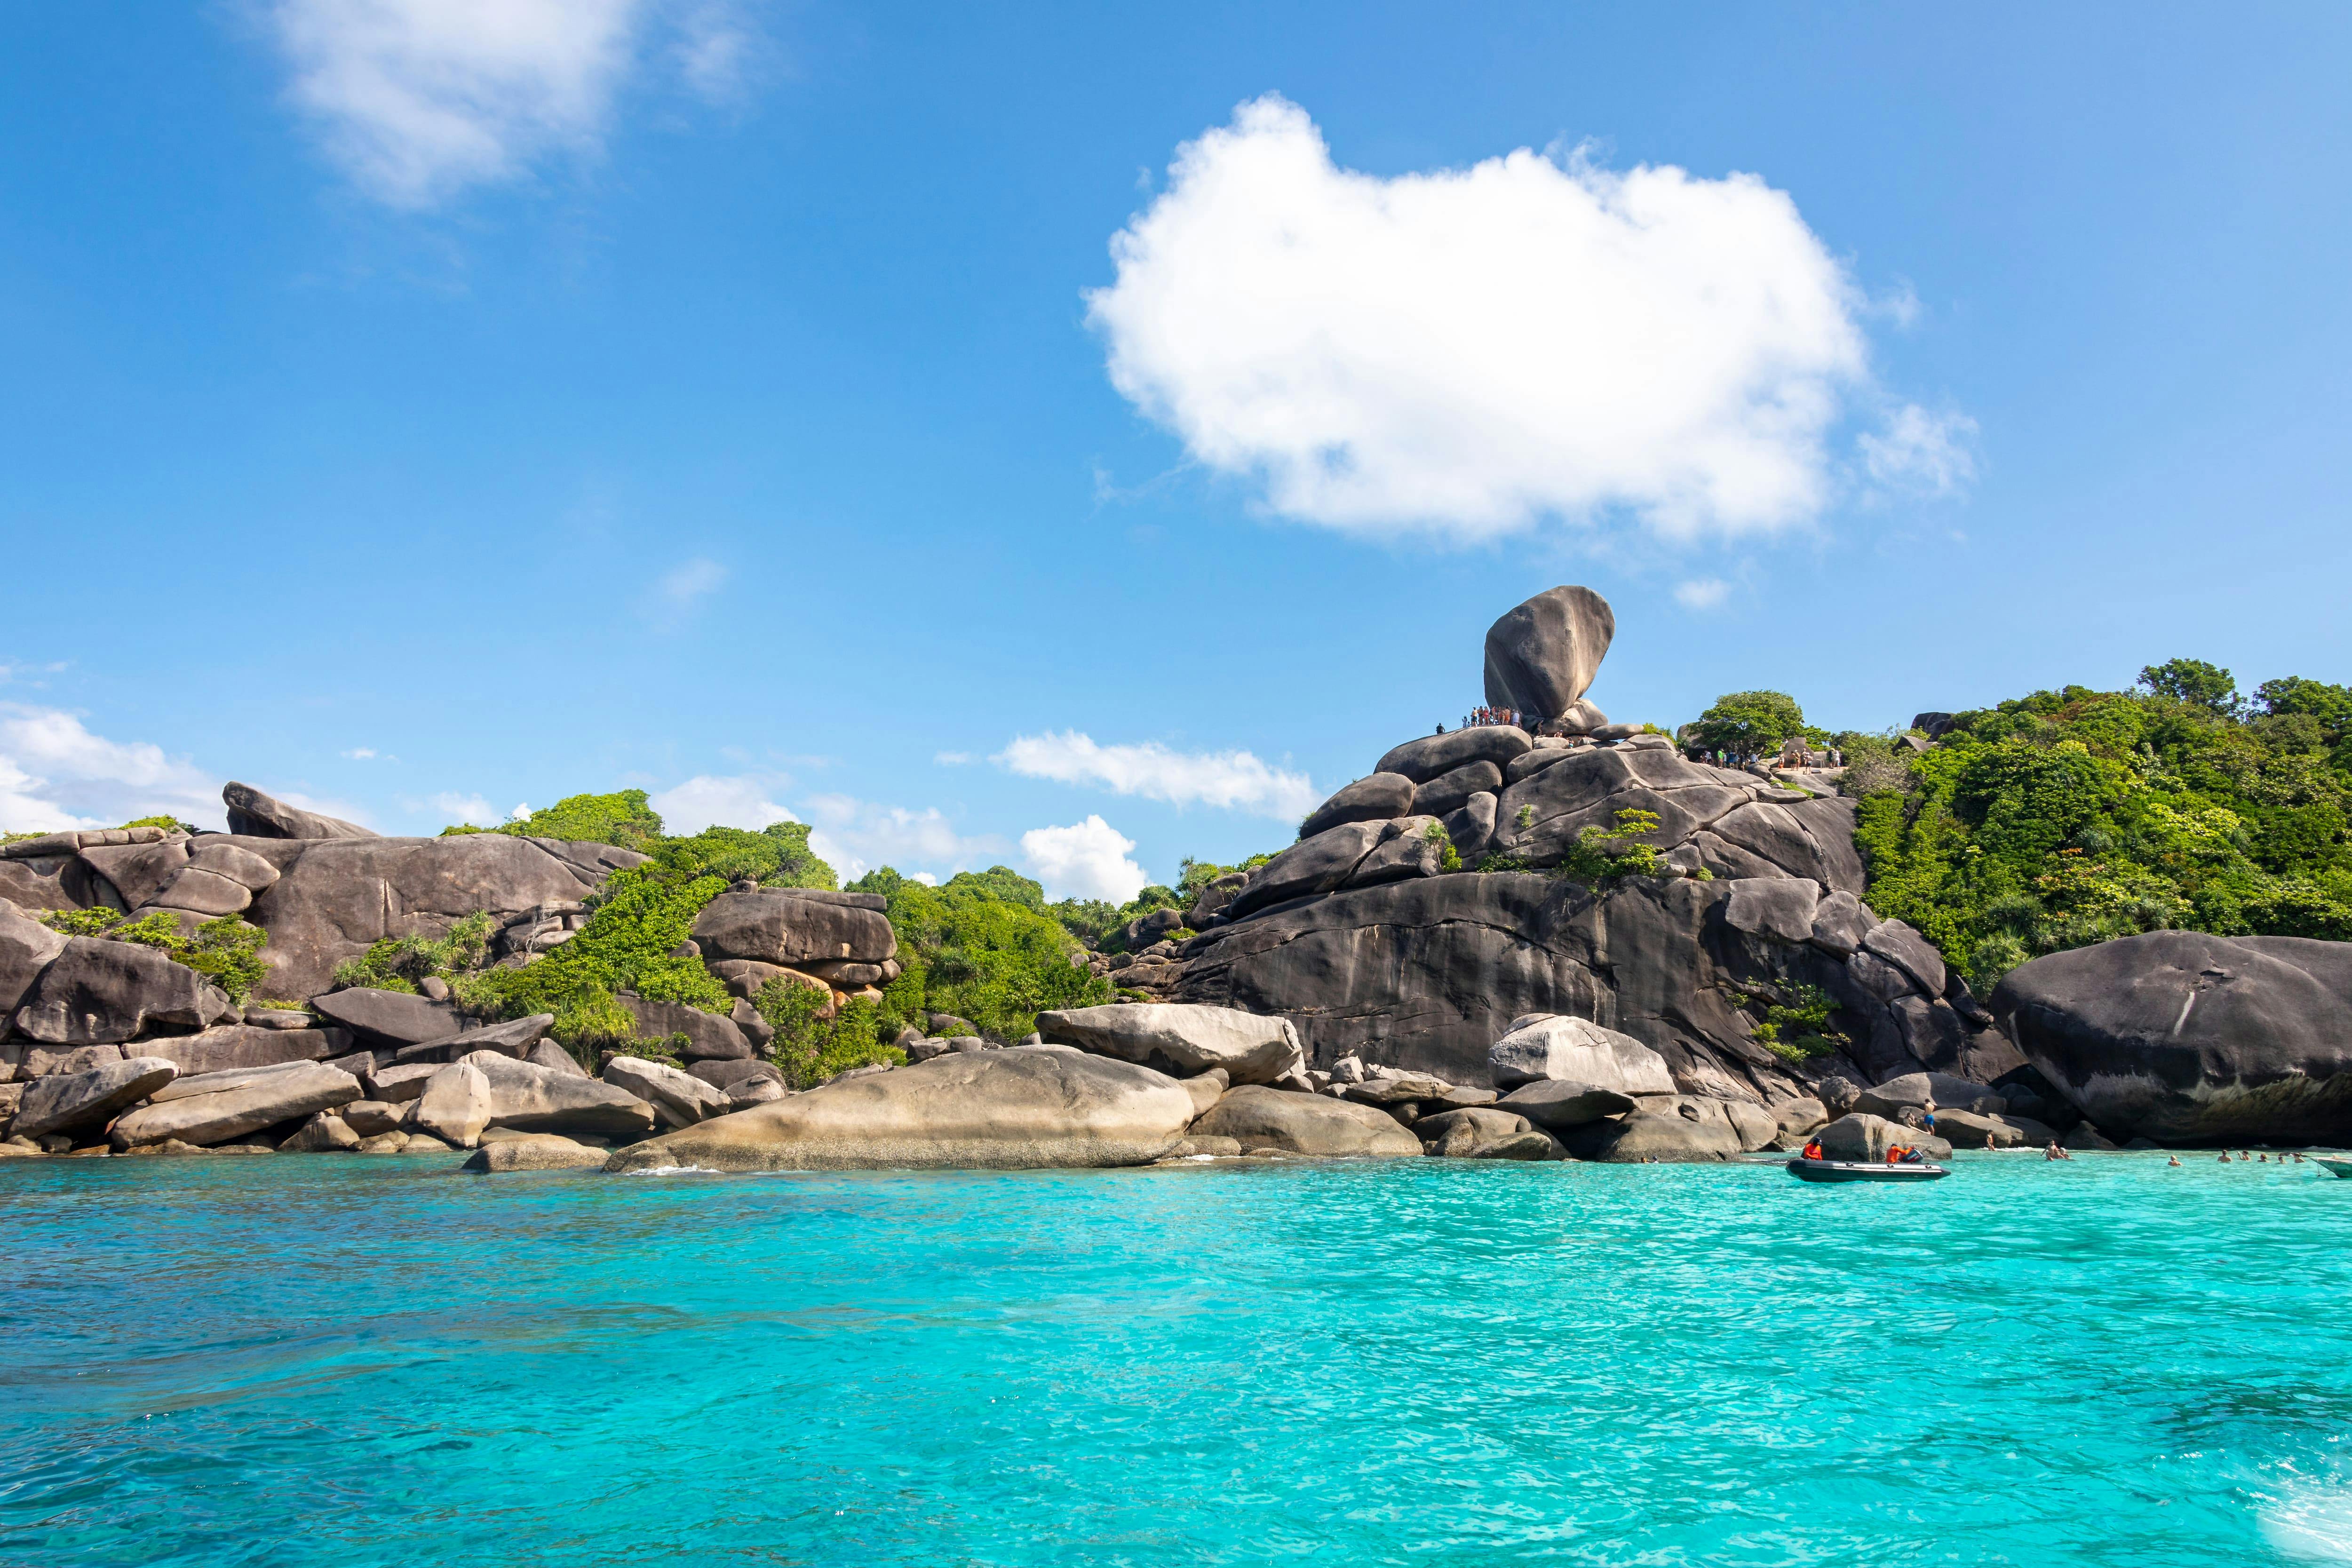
<point>1478,716</point>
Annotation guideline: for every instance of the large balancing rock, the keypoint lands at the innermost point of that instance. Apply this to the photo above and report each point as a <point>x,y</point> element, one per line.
<point>1179,1039</point>
<point>1022,1107</point>
<point>796,926</point>
<point>2188,1038</point>
<point>1541,656</point>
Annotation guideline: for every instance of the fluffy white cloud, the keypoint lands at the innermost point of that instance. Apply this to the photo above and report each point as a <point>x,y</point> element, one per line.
<point>472,808</point>
<point>853,837</point>
<point>1086,861</point>
<point>1702,592</point>
<point>1922,452</point>
<point>1466,351</point>
<point>55,774</point>
<point>419,98</point>
<point>706,801</point>
<point>1237,781</point>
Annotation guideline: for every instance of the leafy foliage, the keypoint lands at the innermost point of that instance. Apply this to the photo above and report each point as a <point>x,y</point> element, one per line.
<point>1602,853</point>
<point>226,951</point>
<point>810,1048</point>
<point>1794,1026</point>
<point>1747,723</point>
<point>398,963</point>
<point>982,946</point>
<point>622,818</point>
<point>2074,816</point>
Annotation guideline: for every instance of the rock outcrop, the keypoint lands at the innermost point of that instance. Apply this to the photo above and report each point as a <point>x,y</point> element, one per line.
<point>1541,656</point>
<point>1021,1107</point>
<point>1257,1119</point>
<point>1181,1040</point>
<point>2186,1039</point>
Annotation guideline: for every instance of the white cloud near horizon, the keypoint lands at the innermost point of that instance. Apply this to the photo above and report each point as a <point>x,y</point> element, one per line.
<point>1702,592</point>
<point>1086,861</point>
<point>1232,780</point>
<point>854,837</point>
<point>1921,452</point>
<point>55,775</point>
<point>704,801</point>
<point>1463,351</point>
<point>471,809</point>
<point>418,99</point>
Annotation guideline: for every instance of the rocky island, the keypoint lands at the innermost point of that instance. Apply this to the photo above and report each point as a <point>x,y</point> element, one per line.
<point>1553,938</point>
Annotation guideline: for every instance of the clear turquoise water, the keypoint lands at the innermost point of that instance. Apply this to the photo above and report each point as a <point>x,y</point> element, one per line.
<point>355,1360</point>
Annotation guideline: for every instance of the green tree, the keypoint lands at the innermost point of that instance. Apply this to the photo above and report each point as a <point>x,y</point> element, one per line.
<point>1747,723</point>
<point>2195,682</point>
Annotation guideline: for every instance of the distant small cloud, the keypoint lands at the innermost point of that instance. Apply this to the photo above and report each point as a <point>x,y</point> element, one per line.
<point>1085,860</point>
<point>692,580</point>
<point>853,837</point>
<point>1701,594</point>
<point>471,809</point>
<point>706,802</point>
<point>368,754</point>
<point>1234,781</point>
<point>925,878</point>
<point>951,759</point>
<point>1922,452</point>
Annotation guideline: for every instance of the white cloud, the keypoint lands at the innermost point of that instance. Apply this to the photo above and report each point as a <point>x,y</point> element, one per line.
<point>1086,861</point>
<point>685,585</point>
<point>55,774</point>
<point>853,837</point>
<point>1701,594</point>
<point>1466,351</point>
<point>706,801</point>
<point>417,100</point>
<point>472,808</point>
<point>1922,452</point>
<point>1236,781</point>
<point>326,806</point>
<point>951,759</point>
<point>368,754</point>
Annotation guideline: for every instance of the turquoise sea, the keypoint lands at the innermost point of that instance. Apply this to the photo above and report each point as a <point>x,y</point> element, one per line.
<point>357,1361</point>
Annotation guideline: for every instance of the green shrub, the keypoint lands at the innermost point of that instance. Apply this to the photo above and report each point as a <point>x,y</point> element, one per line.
<point>1599,854</point>
<point>399,962</point>
<point>809,1049</point>
<point>1448,858</point>
<point>226,951</point>
<point>1794,1025</point>
<point>622,818</point>
<point>1747,723</point>
<point>2073,817</point>
<point>168,824</point>
<point>977,947</point>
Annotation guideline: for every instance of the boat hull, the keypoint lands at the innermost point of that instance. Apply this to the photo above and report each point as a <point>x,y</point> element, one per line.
<point>2336,1167</point>
<point>1859,1171</point>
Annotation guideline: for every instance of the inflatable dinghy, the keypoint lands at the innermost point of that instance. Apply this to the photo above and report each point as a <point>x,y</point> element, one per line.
<point>1806,1170</point>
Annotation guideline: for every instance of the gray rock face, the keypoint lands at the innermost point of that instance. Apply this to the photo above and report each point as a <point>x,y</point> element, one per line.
<point>685,1099</point>
<point>1557,1105</point>
<point>1451,791</point>
<point>393,1018</point>
<point>40,1061</point>
<point>263,816</point>
<point>1541,656</point>
<point>334,897</point>
<point>325,1133</point>
<point>1856,1136</point>
<point>96,991</point>
<point>1577,1052</point>
<point>531,1099</point>
<point>233,1046</point>
<point>517,1037</point>
<point>1426,974</point>
<point>83,1101</point>
<point>219,1107</point>
<point>1909,952</point>
<point>1648,1135</point>
<point>1911,1092</point>
<point>137,871</point>
<point>791,926</point>
<point>1425,758</point>
<point>1485,1132</point>
<point>2187,1038</point>
<point>1417,847</point>
<point>1376,798</point>
<point>1314,865</point>
<point>1180,1040</point>
<point>1261,1117</point>
<point>1731,823</point>
<point>27,948</point>
<point>1025,1106</point>
<point>538,1152</point>
<point>1471,829</point>
<point>1840,922</point>
<point>708,1036</point>
<point>60,882</point>
<point>456,1104</point>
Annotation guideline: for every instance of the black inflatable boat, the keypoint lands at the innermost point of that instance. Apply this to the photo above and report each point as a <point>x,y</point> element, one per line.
<point>1806,1170</point>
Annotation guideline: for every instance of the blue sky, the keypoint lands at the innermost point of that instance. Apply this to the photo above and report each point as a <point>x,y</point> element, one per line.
<point>424,409</point>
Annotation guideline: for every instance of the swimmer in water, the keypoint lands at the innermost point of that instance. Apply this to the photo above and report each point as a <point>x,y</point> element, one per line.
<point>2174,1161</point>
